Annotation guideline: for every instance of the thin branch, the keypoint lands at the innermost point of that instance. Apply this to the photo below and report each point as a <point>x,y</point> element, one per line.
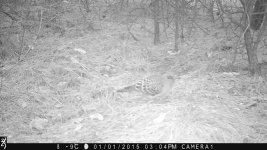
<point>40,24</point>
<point>39,29</point>
<point>13,18</point>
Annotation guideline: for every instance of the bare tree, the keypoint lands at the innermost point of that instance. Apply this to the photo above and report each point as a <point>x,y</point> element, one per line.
<point>250,20</point>
<point>251,44</point>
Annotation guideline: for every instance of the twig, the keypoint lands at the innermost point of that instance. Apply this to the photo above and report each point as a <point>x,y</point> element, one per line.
<point>29,48</point>
<point>10,16</point>
<point>132,35</point>
<point>35,41</point>
<point>199,26</point>
<point>40,25</point>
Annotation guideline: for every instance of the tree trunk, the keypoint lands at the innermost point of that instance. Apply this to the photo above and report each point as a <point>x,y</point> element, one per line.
<point>176,26</point>
<point>252,54</point>
<point>155,5</point>
<point>251,45</point>
<point>195,13</point>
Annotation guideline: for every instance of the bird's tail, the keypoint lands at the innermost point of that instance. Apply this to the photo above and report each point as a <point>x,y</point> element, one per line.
<point>127,89</point>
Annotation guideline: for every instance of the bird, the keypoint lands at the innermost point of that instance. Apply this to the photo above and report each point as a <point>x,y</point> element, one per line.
<point>152,86</point>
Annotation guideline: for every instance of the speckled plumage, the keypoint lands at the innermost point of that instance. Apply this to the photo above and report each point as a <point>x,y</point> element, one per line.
<point>153,85</point>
